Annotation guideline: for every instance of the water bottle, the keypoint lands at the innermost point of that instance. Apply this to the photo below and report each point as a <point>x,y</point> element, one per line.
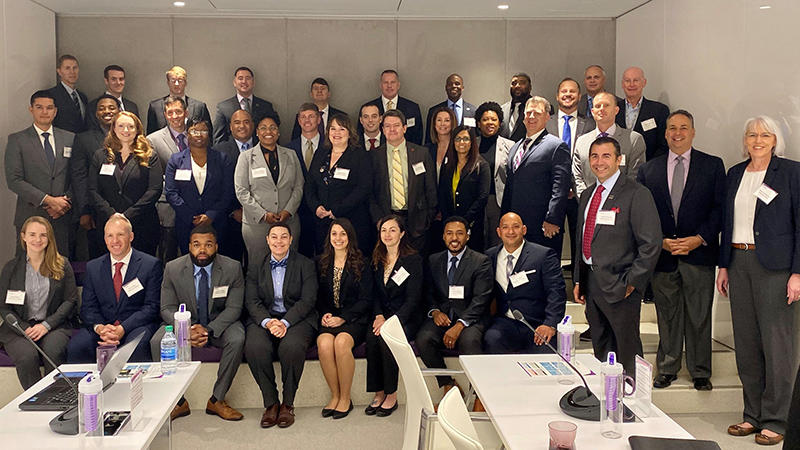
<point>566,346</point>
<point>169,352</point>
<point>611,405</point>
<point>182,320</point>
<point>90,405</point>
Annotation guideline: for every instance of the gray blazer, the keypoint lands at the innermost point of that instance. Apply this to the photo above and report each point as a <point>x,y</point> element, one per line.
<point>501,149</point>
<point>631,143</point>
<point>178,287</point>
<point>519,126</point>
<point>165,146</point>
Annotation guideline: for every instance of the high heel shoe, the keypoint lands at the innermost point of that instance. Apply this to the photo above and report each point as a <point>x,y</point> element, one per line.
<point>342,414</point>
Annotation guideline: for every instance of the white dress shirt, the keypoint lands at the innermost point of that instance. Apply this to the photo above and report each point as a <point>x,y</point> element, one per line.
<point>50,138</point>
<point>500,275</point>
<point>126,260</point>
<point>573,123</point>
<point>199,174</point>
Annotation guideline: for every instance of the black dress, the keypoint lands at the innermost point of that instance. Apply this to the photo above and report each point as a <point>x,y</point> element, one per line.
<point>353,305</point>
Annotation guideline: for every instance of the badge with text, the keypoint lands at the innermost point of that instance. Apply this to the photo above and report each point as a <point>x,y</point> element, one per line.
<point>341,173</point>
<point>766,194</point>
<point>132,287</point>
<point>259,172</point>
<point>419,168</point>
<point>648,124</point>
<point>400,276</point>
<point>107,169</point>
<point>456,292</point>
<point>410,122</point>
<point>622,159</point>
<point>469,122</point>
<point>220,292</point>
<point>519,278</point>
<point>67,152</point>
<point>15,297</point>
<point>606,218</point>
<point>183,175</point>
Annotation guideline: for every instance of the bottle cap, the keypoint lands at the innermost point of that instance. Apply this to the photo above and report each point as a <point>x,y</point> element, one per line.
<point>612,358</point>
<point>168,328</point>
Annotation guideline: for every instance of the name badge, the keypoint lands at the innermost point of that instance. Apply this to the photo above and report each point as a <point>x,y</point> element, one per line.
<point>469,122</point>
<point>606,218</point>
<point>765,193</point>
<point>622,159</point>
<point>259,172</point>
<point>341,173</point>
<point>648,124</point>
<point>456,292</point>
<point>220,292</point>
<point>132,287</point>
<point>15,297</point>
<point>419,168</point>
<point>519,278</point>
<point>67,152</point>
<point>183,175</point>
<point>400,276</point>
<point>411,122</point>
<point>107,169</point>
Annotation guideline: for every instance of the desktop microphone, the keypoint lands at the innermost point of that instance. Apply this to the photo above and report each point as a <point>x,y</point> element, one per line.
<point>579,402</point>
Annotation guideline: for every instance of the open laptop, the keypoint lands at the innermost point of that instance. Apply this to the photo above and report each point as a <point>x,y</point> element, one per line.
<point>59,396</point>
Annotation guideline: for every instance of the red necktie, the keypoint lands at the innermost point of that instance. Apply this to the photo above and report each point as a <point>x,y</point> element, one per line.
<point>372,143</point>
<point>591,216</point>
<point>118,278</point>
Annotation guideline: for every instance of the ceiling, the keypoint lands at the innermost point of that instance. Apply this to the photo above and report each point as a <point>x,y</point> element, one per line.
<point>351,8</point>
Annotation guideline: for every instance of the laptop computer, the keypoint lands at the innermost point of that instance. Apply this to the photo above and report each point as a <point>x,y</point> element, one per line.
<point>59,395</point>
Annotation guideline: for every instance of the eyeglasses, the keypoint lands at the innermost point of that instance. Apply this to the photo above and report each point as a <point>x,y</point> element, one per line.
<point>462,139</point>
<point>198,132</point>
<point>268,128</point>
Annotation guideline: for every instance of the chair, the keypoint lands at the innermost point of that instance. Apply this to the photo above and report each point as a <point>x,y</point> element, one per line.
<point>456,422</point>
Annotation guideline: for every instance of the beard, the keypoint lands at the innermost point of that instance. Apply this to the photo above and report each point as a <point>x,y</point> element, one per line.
<point>199,263</point>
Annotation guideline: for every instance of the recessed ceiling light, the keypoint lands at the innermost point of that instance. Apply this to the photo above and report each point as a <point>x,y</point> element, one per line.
<point>179,4</point>
<point>503,7</point>
<point>765,7</point>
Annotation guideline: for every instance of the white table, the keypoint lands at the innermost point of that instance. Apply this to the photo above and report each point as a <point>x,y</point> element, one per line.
<point>521,406</point>
<point>30,429</point>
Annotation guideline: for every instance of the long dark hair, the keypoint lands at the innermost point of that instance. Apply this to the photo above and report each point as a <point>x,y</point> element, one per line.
<point>355,259</point>
<point>472,157</point>
<point>432,125</point>
<point>405,248</point>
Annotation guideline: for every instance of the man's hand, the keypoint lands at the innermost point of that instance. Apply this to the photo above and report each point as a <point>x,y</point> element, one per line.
<point>107,333</point>
<point>321,212</point>
<point>198,335</point>
<point>682,246</point>
<point>277,328</point>
<point>576,292</point>
<point>237,215</point>
<point>284,215</point>
<point>451,335</point>
<point>87,223</point>
<point>667,244</point>
<point>440,319</point>
<point>543,334</point>
<point>549,229</point>
<point>201,219</point>
<point>377,324</point>
<point>793,288</point>
<point>58,204</point>
<point>722,281</point>
<point>629,290</point>
<point>36,332</point>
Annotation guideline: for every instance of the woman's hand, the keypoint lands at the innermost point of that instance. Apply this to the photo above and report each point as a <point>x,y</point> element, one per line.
<point>722,281</point>
<point>377,324</point>
<point>334,322</point>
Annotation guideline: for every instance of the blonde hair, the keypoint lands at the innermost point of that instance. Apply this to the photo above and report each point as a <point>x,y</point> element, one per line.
<point>141,146</point>
<point>176,71</point>
<point>536,100</point>
<point>771,126</point>
<point>119,218</point>
<point>53,264</point>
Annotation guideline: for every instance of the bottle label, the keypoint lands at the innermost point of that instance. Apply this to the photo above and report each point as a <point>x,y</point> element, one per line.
<point>90,412</point>
<point>612,381</point>
<point>565,346</point>
<point>168,354</point>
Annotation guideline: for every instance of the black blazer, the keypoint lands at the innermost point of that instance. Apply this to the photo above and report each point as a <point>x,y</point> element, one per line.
<point>296,131</point>
<point>700,211</point>
<point>776,226</point>
<point>355,297</point>
<point>62,297</point>
<point>654,139</point>
<point>299,291</point>
<point>469,111</point>
<point>69,116</point>
<point>296,144</point>
<point>345,198</point>
<point>195,109</point>
<point>471,194</point>
<point>404,300</point>
<point>83,149</point>
<point>412,112</point>
<point>259,109</point>
<point>474,273</point>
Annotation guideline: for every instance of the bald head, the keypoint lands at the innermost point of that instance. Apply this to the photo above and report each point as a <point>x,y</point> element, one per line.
<point>511,231</point>
<point>633,83</point>
<point>242,125</point>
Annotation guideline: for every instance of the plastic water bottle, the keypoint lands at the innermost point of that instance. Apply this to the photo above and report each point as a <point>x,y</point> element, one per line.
<point>90,405</point>
<point>566,338</point>
<point>169,352</point>
<point>182,320</point>
<point>611,404</point>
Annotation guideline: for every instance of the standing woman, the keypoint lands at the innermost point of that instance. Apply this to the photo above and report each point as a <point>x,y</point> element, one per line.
<point>339,183</point>
<point>759,269</point>
<point>494,149</point>
<point>126,177</point>
<point>464,184</point>
<point>397,290</point>
<point>39,289</point>
<point>343,302</point>
<point>442,123</point>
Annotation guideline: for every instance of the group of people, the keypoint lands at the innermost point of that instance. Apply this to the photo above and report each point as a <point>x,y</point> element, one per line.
<point>433,222</point>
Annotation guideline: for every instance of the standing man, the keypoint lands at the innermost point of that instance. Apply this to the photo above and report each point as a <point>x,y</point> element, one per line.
<point>620,240</point>
<point>320,96</point>
<point>688,187</point>
<point>176,82</point>
<point>594,81</point>
<point>647,117</point>
<point>514,110</point>
<point>389,99</point>
<point>465,112</point>
<point>70,102</point>
<point>114,79</point>
<point>538,178</point>
<point>370,120</point>
<point>306,146</point>
<point>244,82</point>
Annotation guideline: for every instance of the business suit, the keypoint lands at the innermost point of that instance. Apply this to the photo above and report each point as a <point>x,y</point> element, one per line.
<point>69,116</point>
<point>473,274</point>
<point>195,109</point>
<point>495,152</point>
<point>365,144</point>
<point>136,313</point>
<point>258,194</point>
<point>469,199</point>
<point>296,131</point>
<point>410,109</point>
<point>654,139</point>
<point>582,126</point>
<point>225,329</point>
<point>259,108</point>
<point>518,132</point>
<point>61,304</point>
<point>126,105</point>
<point>623,254</point>
<point>355,300</point>
<point>31,177</point>
<point>537,190</point>
<point>231,242</point>
<point>631,147</point>
<point>164,146</point>
<point>83,149</point>
<point>186,199</point>
<point>468,110</point>
<point>261,348</point>
<point>132,190</point>
<point>683,286</point>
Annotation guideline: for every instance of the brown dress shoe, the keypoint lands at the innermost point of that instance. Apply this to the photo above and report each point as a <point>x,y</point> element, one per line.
<point>762,439</point>
<point>180,411</point>
<point>222,409</point>
<point>270,417</point>
<point>478,406</point>
<point>737,430</point>
<point>286,416</point>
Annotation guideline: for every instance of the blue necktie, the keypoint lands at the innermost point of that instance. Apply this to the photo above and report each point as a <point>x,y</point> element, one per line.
<point>566,133</point>
<point>274,264</point>
<point>454,107</point>
<point>245,146</point>
<point>48,150</point>
<point>589,112</point>
<point>202,298</point>
<point>181,142</point>
<point>451,273</point>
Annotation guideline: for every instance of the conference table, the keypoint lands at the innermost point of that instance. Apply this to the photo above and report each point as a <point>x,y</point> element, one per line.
<point>30,429</point>
<point>521,404</point>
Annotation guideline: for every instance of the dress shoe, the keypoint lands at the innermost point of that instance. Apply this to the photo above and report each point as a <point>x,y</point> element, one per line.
<point>663,381</point>
<point>180,411</point>
<point>478,406</point>
<point>327,412</point>
<point>703,384</point>
<point>342,414</point>
<point>737,430</point>
<point>762,439</point>
<point>286,416</point>
<point>371,410</point>
<point>586,336</point>
<point>386,412</point>
<point>270,417</point>
<point>223,409</point>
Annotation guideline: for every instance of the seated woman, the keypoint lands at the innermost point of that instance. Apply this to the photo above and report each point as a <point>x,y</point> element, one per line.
<point>343,302</point>
<point>39,289</point>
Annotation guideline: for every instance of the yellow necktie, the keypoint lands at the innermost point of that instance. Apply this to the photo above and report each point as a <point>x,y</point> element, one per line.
<point>389,105</point>
<point>398,190</point>
<point>309,154</point>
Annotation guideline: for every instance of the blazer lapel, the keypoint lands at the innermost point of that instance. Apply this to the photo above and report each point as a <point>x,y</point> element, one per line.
<point>33,136</point>
<point>611,200</point>
<point>691,176</point>
<point>186,164</point>
<point>127,170</point>
<point>526,248</point>
<point>466,260</point>
<point>130,274</point>
<point>532,148</point>
<point>769,177</point>
<point>663,185</point>
<point>412,178</point>
<point>187,275</point>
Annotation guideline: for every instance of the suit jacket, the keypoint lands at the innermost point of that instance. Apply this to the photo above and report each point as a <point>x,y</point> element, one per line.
<point>62,296</point>
<point>30,176</point>
<point>232,150</point>
<point>654,138</point>
<point>100,306</point>
<point>700,209</point>
<point>299,291</point>
<point>413,115</point>
<point>631,145</point>
<point>355,297</point>
<point>178,287</point>
<point>83,149</point>
<point>259,109</point>
<point>187,201</point>
<point>473,273</point>
<point>296,144</point>
<point>69,115</point>
<point>195,109</point>
<point>422,196</point>
<point>469,111</point>
<point>471,194</point>
<point>625,253</point>
<point>91,118</point>
<point>519,130</point>
<point>296,131</point>
<point>164,146</point>
<point>498,154</point>
<point>403,300</point>
<point>776,227</point>
<point>582,126</point>
<point>344,198</point>
<point>542,300</point>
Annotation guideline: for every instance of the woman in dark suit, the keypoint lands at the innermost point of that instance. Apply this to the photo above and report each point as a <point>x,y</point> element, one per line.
<point>397,290</point>
<point>343,302</point>
<point>494,149</point>
<point>464,184</point>
<point>38,287</point>
<point>125,177</point>
<point>339,183</point>
<point>760,272</point>
<point>443,120</point>
<point>199,185</point>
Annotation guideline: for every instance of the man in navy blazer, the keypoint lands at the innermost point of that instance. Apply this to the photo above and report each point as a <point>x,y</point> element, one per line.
<point>121,297</point>
<point>389,99</point>
<point>534,285</point>
<point>305,145</point>
<point>244,81</point>
<point>176,82</point>
<point>539,178</point>
<point>70,102</point>
<point>646,117</point>
<point>464,111</point>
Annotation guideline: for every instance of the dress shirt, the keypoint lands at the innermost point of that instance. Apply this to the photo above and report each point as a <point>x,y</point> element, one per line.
<point>744,207</point>
<point>608,185</point>
<point>119,99</point>
<point>500,274</point>
<point>385,100</point>
<point>325,113</point>
<point>304,144</point>
<point>632,113</point>
<point>377,141</point>
<point>199,174</point>
<point>126,260</point>
<point>37,287</point>
<point>239,145</point>
<point>80,101</point>
<point>672,161</point>
<point>278,275</point>
<point>573,122</point>
<point>50,137</point>
<point>239,99</point>
<point>609,132</point>
<point>197,277</point>
<point>459,109</point>
<point>175,135</point>
<point>403,162</point>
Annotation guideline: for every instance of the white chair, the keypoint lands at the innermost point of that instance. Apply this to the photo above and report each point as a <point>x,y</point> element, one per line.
<point>456,422</point>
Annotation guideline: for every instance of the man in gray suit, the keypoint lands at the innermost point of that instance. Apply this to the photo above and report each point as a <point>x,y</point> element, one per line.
<point>37,170</point>
<point>176,82</point>
<point>619,237</point>
<point>513,127</point>
<point>212,288</point>
<point>244,82</point>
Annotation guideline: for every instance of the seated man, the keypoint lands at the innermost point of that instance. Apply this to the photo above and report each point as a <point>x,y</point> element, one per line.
<point>212,288</point>
<point>281,297</point>
<point>528,278</point>
<point>121,296</point>
<point>458,292</point>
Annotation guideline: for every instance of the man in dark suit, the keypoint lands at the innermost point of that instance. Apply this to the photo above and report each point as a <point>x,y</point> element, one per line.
<point>305,145</point>
<point>513,127</point>
<point>369,120</point>
<point>282,321</point>
<point>527,278</point>
<point>212,288</point>
<point>647,117</point>
<point>538,178</point>
<point>121,296</point>
<point>389,99</point>
<point>688,187</point>
<point>458,293</point>
<point>405,180</point>
<point>114,79</point>
<point>594,80</point>
<point>37,164</point>
<point>176,82</point>
<point>465,112</point>
<point>244,81</point>
<point>618,243</point>
<point>70,102</point>
<point>320,96</point>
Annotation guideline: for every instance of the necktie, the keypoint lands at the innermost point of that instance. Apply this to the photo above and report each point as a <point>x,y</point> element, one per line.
<point>118,278</point>
<point>454,107</point>
<point>48,150</point>
<point>202,297</point>
<point>566,132</point>
<point>676,192</point>
<point>517,116</point>
<point>181,142</point>
<point>451,272</point>
<point>389,105</point>
<point>245,146</point>
<point>309,154</point>
<point>398,190</point>
<point>589,100</point>
<point>520,153</point>
<point>275,264</point>
<point>372,142</point>
<point>591,217</point>
<point>509,269</point>
<point>603,134</point>
<point>245,104</point>
<point>77,102</point>
<point>321,126</point>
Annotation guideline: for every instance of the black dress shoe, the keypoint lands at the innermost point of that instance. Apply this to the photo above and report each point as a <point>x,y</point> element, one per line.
<point>703,384</point>
<point>586,336</point>
<point>327,412</point>
<point>663,381</point>
<point>342,414</point>
<point>386,412</point>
